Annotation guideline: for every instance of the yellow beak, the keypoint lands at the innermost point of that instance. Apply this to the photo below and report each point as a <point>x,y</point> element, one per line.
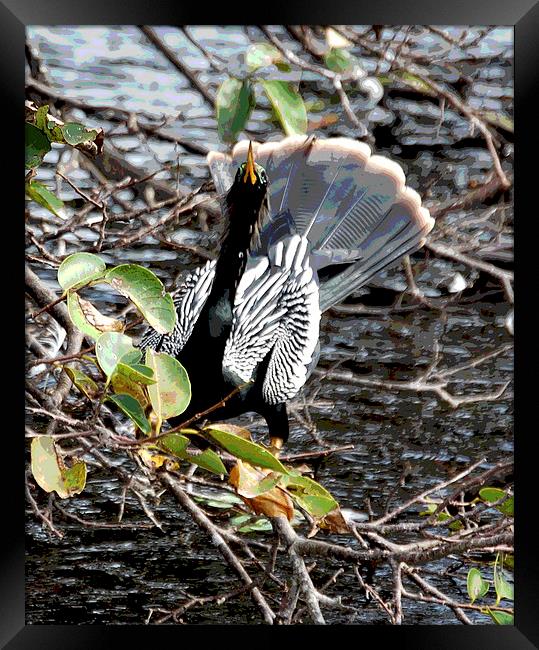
<point>250,167</point>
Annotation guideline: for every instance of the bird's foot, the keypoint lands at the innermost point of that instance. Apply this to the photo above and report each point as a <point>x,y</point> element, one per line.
<point>276,445</point>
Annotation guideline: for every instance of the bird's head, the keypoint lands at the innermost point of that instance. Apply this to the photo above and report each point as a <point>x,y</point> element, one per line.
<point>251,178</point>
<point>247,201</point>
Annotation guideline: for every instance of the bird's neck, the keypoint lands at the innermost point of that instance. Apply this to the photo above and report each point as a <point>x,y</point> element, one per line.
<point>229,268</point>
<point>235,247</point>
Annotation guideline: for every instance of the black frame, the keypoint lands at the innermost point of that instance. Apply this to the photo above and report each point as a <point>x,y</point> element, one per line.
<point>524,16</point>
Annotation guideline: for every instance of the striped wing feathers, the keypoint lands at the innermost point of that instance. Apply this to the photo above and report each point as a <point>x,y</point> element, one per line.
<point>276,317</point>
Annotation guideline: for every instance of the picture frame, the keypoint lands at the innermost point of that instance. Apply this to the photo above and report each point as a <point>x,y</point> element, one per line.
<point>15,15</point>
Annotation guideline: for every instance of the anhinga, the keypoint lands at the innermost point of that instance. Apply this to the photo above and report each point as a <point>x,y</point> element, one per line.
<point>307,224</point>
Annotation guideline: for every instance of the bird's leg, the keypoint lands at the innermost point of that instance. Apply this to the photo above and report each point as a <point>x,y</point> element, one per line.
<point>276,446</point>
<point>277,419</point>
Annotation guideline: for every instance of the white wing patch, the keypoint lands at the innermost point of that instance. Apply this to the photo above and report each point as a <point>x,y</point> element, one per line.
<point>188,300</point>
<point>276,312</point>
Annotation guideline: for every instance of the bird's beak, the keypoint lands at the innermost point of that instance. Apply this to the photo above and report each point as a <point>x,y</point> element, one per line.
<point>250,168</point>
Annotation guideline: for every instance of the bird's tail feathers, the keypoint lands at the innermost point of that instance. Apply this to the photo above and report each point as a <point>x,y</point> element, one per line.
<point>353,207</point>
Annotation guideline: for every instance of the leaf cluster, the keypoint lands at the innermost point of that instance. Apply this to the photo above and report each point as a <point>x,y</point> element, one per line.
<point>236,97</point>
<point>154,387</point>
<point>41,130</point>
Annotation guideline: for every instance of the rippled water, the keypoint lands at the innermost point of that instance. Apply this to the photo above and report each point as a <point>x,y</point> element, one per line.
<point>114,576</point>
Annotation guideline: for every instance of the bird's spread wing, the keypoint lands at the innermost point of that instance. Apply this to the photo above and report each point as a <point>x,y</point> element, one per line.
<point>276,321</point>
<point>188,300</point>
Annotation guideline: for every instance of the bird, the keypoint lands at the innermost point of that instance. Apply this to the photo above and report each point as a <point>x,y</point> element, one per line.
<point>308,222</point>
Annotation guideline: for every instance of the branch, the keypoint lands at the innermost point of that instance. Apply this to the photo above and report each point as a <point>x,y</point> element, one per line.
<point>305,584</point>
<point>217,539</point>
<point>183,69</point>
<point>506,277</point>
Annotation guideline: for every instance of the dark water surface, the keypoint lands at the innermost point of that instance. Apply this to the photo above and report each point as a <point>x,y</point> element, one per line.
<point>115,576</point>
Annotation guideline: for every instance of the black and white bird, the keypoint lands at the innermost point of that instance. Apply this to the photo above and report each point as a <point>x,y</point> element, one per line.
<point>307,224</point>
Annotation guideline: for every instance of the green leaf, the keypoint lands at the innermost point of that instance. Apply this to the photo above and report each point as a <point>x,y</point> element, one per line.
<point>509,561</point>
<point>507,507</point>
<point>309,494</point>
<point>132,357</point>
<point>501,618</point>
<point>36,146</point>
<point>288,106</point>
<point>477,587</point>
<point>259,525</point>
<point>75,134</point>
<point>147,292</point>
<point>234,103</point>
<point>174,443</point>
<point>340,60</point>
<point>504,589</point>
<point>75,478</point>
<point>244,449</point>
<point>295,481</point>
<point>40,194</point>
<point>49,471</point>
<point>208,460</point>
<point>77,316</point>
<point>79,269</point>
<point>385,79</point>
<point>238,520</point>
<point>250,482</point>
<point>85,384</point>
<point>110,348</point>
<point>123,385</point>
<point>50,128</point>
<point>132,408</point>
<point>41,120</point>
<point>492,494</point>
<point>317,506</point>
<point>171,393</point>
<point>137,373</point>
<point>415,82</point>
<point>131,379</point>
<point>260,55</point>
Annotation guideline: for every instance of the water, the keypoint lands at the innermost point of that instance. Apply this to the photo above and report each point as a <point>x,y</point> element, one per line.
<point>116,576</point>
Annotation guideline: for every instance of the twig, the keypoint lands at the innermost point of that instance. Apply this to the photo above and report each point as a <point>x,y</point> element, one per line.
<point>209,410</point>
<point>374,594</point>
<point>100,524</point>
<point>397,590</point>
<point>80,192</point>
<point>305,584</point>
<point>316,454</point>
<point>46,520</point>
<point>47,307</point>
<point>183,69</point>
<point>506,277</point>
<point>65,357</point>
<point>217,539</point>
<point>440,597</point>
